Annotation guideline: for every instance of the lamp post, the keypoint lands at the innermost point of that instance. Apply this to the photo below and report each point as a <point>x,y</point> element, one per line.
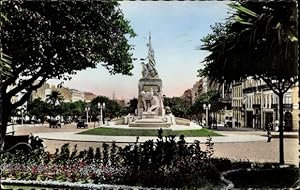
<point>206,107</point>
<point>101,106</point>
<point>261,108</point>
<point>21,111</point>
<point>244,108</point>
<point>87,109</point>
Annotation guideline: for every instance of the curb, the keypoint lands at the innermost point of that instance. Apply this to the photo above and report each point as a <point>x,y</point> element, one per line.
<point>229,183</point>
<point>57,184</point>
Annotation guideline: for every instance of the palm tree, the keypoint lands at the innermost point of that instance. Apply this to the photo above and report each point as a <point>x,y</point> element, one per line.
<point>5,63</point>
<point>5,60</point>
<point>261,44</point>
<point>55,98</point>
<point>5,70</point>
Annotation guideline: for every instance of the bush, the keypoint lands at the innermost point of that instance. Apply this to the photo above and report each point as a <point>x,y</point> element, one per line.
<point>161,163</point>
<point>268,178</point>
<point>222,164</point>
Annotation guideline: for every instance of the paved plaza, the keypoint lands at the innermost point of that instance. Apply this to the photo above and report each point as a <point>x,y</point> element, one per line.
<point>237,144</point>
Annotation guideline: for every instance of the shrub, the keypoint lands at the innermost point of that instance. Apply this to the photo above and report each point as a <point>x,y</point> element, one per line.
<point>161,163</point>
<point>268,178</point>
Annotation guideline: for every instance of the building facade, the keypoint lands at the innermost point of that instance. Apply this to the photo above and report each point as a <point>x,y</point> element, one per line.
<point>197,89</point>
<point>237,104</point>
<point>187,96</point>
<point>77,95</point>
<point>69,95</point>
<point>255,105</point>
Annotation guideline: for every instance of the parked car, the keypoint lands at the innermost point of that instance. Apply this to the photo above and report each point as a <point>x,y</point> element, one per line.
<point>81,124</point>
<point>54,123</point>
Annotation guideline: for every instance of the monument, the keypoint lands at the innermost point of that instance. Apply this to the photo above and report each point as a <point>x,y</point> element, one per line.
<point>150,109</point>
<point>150,100</point>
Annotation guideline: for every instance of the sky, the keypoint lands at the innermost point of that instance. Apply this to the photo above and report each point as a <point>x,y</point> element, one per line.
<point>176,28</point>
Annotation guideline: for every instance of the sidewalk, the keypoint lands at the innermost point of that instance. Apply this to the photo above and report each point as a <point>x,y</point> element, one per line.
<point>236,144</point>
<point>70,133</point>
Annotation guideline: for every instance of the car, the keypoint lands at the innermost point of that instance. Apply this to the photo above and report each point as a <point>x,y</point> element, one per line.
<point>81,124</point>
<point>53,123</point>
<point>228,122</point>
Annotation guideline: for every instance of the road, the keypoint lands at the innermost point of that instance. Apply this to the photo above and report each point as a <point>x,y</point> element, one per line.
<point>260,151</point>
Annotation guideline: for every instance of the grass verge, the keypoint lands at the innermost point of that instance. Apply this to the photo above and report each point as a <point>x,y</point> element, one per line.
<point>149,132</point>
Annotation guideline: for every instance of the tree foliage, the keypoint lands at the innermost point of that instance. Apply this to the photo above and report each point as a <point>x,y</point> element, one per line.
<point>260,44</point>
<point>112,108</point>
<point>5,60</point>
<point>179,106</point>
<point>38,108</point>
<point>133,105</point>
<point>55,98</point>
<point>210,97</point>
<point>5,65</point>
<point>55,39</point>
<point>54,101</point>
<point>259,40</point>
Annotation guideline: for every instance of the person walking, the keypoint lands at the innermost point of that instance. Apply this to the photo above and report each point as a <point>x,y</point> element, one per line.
<point>269,135</point>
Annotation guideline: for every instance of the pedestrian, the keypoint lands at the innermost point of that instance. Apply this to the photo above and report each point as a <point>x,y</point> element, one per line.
<point>270,126</point>
<point>214,123</point>
<point>39,143</point>
<point>31,140</point>
<point>269,135</point>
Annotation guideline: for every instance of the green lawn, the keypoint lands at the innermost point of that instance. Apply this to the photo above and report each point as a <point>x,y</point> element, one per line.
<point>148,132</point>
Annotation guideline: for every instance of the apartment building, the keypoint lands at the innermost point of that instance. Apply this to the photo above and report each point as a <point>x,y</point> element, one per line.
<point>255,105</point>
<point>187,96</point>
<point>237,104</point>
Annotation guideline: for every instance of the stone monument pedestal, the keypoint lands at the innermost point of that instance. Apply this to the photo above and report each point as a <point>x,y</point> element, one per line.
<point>147,85</point>
<point>156,122</point>
<point>146,115</point>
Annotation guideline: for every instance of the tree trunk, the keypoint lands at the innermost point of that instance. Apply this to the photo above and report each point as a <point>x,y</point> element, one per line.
<point>281,147</point>
<point>6,113</point>
<point>5,118</point>
<point>1,111</point>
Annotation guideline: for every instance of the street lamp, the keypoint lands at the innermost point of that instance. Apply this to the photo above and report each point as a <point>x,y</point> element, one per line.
<point>101,106</point>
<point>244,108</point>
<point>21,111</point>
<point>87,109</point>
<point>206,107</point>
<point>261,102</point>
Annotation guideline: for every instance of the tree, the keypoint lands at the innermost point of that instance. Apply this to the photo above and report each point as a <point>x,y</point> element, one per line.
<point>179,106</point>
<point>77,108</point>
<point>5,60</point>
<point>196,110</point>
<point>54,100</point>
<point>38,108</point>
<point>48,39</point>
<point>112,109</point>
<point>133,105</point>
<point>5,68</point>
<point>210,97</point>
<point>260,41</point>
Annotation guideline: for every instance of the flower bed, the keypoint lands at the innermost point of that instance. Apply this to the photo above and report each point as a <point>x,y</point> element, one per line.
<point>164,163</point>
<point>161,163</point>
<point>50,185</point>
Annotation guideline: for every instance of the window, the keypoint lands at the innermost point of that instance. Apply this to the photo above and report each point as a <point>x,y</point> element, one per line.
<point>287,98</point>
